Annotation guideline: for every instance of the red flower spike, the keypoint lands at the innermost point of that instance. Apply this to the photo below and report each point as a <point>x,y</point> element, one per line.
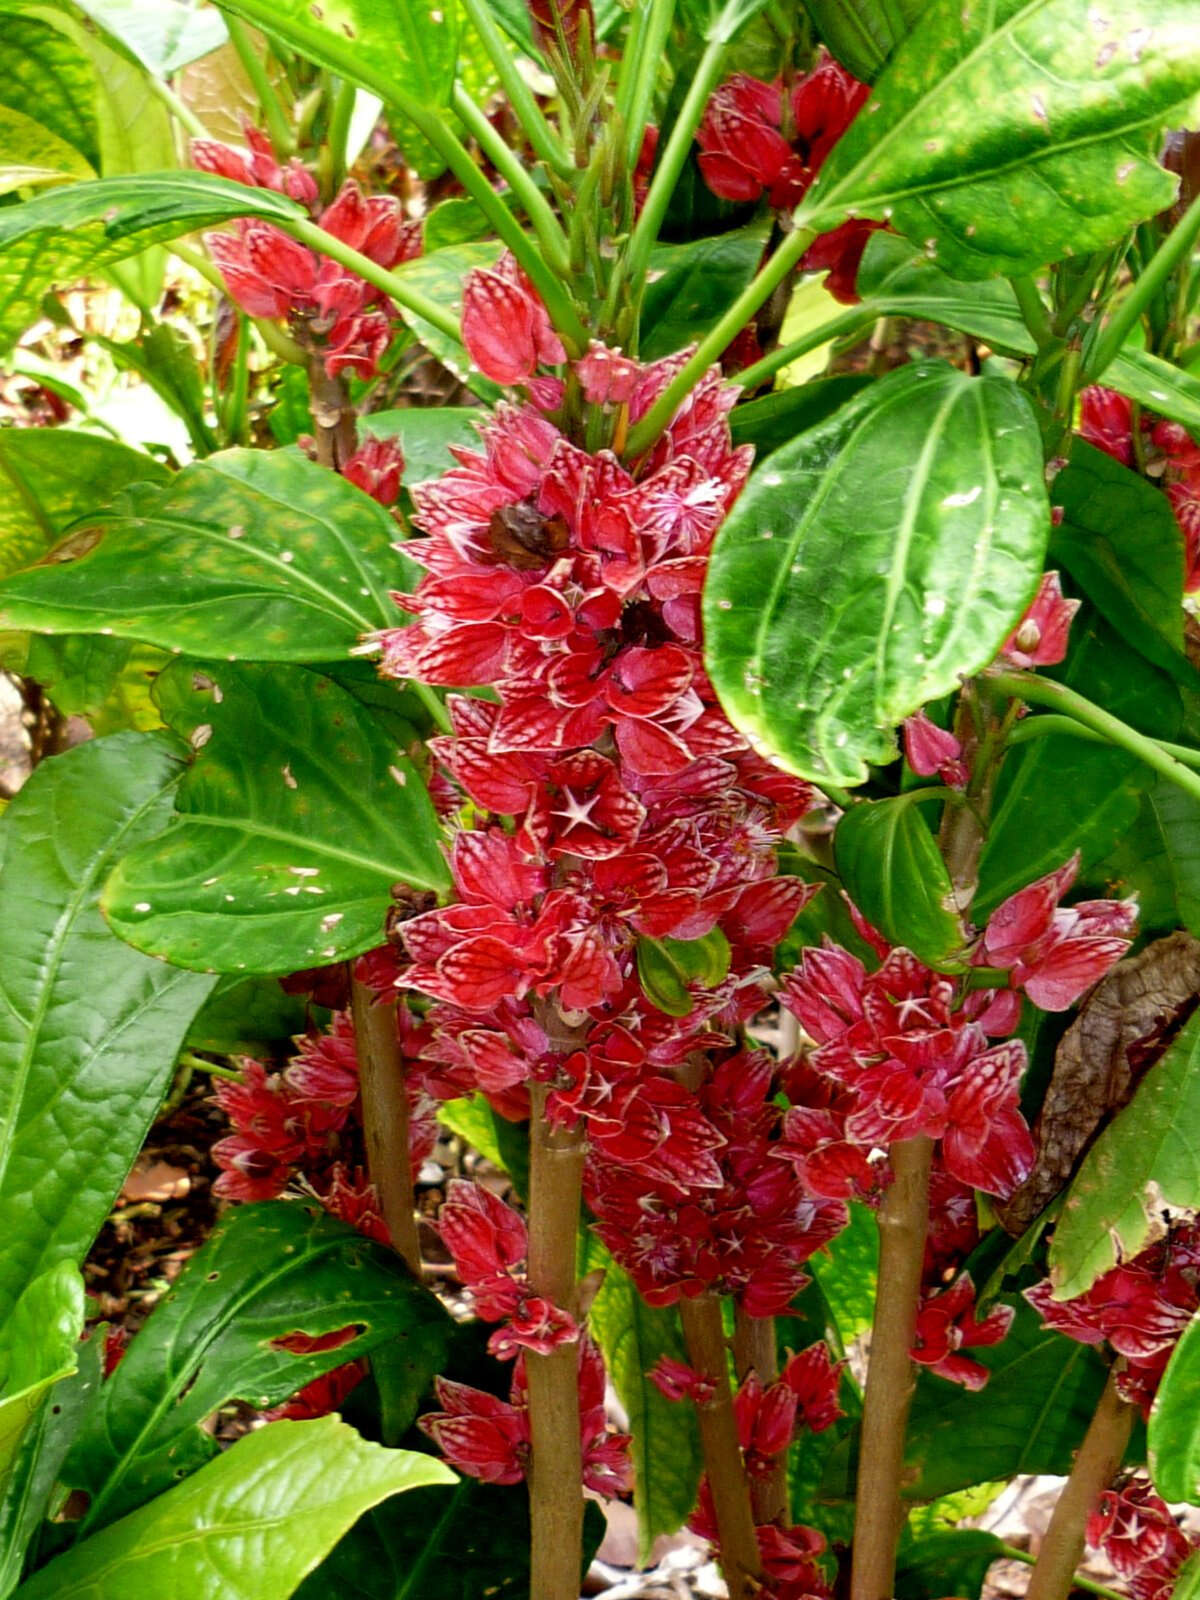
<point>932,751</point>
<point>677,1381</point>
<point>377,467</point>
<point>478,1434</point>
<point>814,1378</point>
<point>505,326</point>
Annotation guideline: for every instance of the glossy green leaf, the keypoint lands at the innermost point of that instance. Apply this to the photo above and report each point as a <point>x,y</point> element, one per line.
<point>1058,794</point>
<point>32,155</point>
<point>692,284</point>
<point>894,873</point>
<point>247,1016</point>
<point>80,229</point>
<point>43,71</point>
<point>37,1348</point>
<point>872,563</point>
<point>847,1271</point>
<point>666,1445</point>
<point>28,1496</point>
<point>895,282</point>
<point>252,554</point>
<point>51,477</point>
<point>459,1542</point>
<point>1144,1159</point>
<point>1157,385</point>
<point>266,1272</point>
<point>862,34</point>
<point>108,681</point>
<point>1187,1584</point>
<point>1120,542</point>
<point>1174,1432</point>
<point>1030,1418</point>
<point>667,966</point>
<point>89,1029</point>
<point>1057,157</point>
<point>426,434</point>
<point>1178,819</point>
<point>954,1561</point>
<point>165,36</point>
<point>409,49</point>
<point>263,1514</point>
<point>293,822</point>
<point>775,419</point>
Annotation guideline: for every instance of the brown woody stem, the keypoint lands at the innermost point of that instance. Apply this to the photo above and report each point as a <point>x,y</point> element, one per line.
<point>385,1116</point>
<point>903,1220</point>
<point>704,1336</point>
<point>335,418</point>
<point>754,1351</point>
<point>1096,1464</point>
<point>555,1477</point>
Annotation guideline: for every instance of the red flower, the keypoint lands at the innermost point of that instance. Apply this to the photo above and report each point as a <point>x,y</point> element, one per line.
<point>1040,638</point>
<point>931,750</point>
<point>814,1377</point>
<point>1057,952</point>
<point>478,1434</point>
<point>946,1324</point>
<point>505,326</point>
<point>377,467</point>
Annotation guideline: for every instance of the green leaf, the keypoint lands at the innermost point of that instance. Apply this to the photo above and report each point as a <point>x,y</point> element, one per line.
<point>295,819</point>
<point>37,1348</point>
<point>33,155</point>
<point>955,1561</point>
<point>894,873</point>
<point>165,36</point>
<point>108,681</point>
<point>457,1543</point>
<point>266,1272</point>
<point>847,1271</point>
<point>862,34</point>
<point>1178,819</point>
<point>1121,544</point>
<point>252,554</point>
<point>1174,1432</point>
<point>27,1499</point>
<point>873,563</point>
<point>244,1016</point>
<point>51,477</point>
<point>775,419</point>
<point>667,966</point>
<point>504,1143</point>
<point>1030,1418</point>
<point>42,69</point>
<point>1187,1584</point>
<point>426,434</point>
<point>89,1029</point>
<point>666,1445</point>
<point>408,49</point>
<point>893,282</point>
<point>1145,1159</point>
<point>1058,794</point>
<point>263,1514</point>
<point>692,284</point>
<point>1157,385</point>
<point>84,228</point>
<point>1059,155</point>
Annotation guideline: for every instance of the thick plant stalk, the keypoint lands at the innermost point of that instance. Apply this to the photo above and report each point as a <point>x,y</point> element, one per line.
<point>704,1336</point>
<point>903,1220</point>
<point>754,1351</point>
<point>385,1117</point>
<point>334,416</point>
<point>1096,1464</point>
<point>555,1477</point>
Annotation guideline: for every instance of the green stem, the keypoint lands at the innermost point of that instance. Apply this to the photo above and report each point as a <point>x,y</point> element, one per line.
<point>183,114</point>
<point>195,1063</point>
<point>433,704</point>
<point>639,72</point>
<point>535,205</point>
<point>643,435</point>
<point>392,284</point>
<point>1149,284</point>
<point>1033,310</point>
<point>339,131</point>
<point>839,327</point>
<point>1039,691</point>
<point>518,93</point>
<point>255,69</point>
<point>670,165</point>
<point>1048,723</point>
<point>1078,1581</point>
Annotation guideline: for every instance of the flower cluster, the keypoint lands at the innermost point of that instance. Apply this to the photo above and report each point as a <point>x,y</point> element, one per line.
<point>489,1438</point>
<point>757,139</point>
<point>270,274</point>
<point>1169,453</point>
<point>1141,1307</point>
<point>1145,1545</point>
